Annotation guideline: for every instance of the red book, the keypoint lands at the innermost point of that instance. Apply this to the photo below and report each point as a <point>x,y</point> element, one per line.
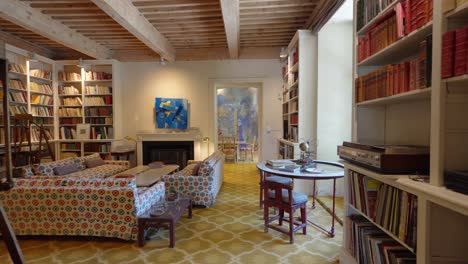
<point>461,40</point>
<point>408,17</point>
<point>448,53</point>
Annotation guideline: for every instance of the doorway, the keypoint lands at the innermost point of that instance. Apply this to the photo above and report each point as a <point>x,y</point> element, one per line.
<point>237,121</point>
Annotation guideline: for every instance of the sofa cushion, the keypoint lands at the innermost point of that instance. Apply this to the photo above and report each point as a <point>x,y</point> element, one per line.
<point>57,181</point>
<point>47,169</point>
<point>27,171</point>
<point>95,183</point>
<point>94,162</point>
<point>82,160</point>
<point>205,169</point>
<point>191,169</point>
<point>66,169</point>
<point>102,171</point>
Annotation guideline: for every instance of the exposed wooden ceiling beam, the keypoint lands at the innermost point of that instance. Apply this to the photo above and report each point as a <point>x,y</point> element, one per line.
<point>21,43</point>
<point>32,19</point>
<point>230,10</point>
<point>128,16</point>
<point>322,14</point>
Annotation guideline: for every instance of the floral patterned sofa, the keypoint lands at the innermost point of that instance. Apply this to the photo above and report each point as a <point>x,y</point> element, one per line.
<point>110,168</point>
<point>57,205</point>
<point>204,185</point>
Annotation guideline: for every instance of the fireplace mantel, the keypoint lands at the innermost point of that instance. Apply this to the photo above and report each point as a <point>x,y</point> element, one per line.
<point>191,134</point>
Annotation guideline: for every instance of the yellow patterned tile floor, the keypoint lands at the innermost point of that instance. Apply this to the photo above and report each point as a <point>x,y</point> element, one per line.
<point>229,232</point>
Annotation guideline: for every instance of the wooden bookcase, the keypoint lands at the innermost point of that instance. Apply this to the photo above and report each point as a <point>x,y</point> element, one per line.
<point>432,117</point>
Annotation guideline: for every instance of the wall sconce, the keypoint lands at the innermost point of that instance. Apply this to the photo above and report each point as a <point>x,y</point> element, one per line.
<point>32,56</point>
<point>283,53</point>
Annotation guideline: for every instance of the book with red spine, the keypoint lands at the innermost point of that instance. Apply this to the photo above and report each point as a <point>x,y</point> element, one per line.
<point>461,42</point>
<point>448,53</point>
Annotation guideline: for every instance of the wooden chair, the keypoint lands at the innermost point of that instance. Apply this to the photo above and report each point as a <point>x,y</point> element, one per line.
<point>248,148</point>
<point>229,147</point>
<point>282,197</point>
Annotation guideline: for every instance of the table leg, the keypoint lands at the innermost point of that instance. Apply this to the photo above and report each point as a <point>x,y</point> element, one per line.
<point>190,209</point>
<point>141,232</point>
<point>171,234</point>
<point>313,195</point>
<point>262,178</point>
<point>332,231</point>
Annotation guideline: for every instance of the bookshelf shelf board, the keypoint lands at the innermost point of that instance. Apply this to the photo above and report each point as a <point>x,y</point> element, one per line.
<point>18,103</point>
<point>460,12</point>
<point>286,102</point>
<point>70,81</point>
<point>294,68</point>
<point>295,84</point>
<point>293,112</point>
<point>383,229</point>
<point>294,124</point>
<point>101,125</point>
<point>41,93</point>
<point>71,106</point>
<point>420,94</point>
<point>69,95</point>
<point>110,80</point>
<point>440,195</point>
<point>40,79</point>
<point>16,90</point>
<point>70,116</point>
<point>42,105</point>
<point>98,105</point>
<point>43,116</point>
<point>70,150</point>
<point>18,74</point>
<point>98,116</point>
<point>400,49</point>
<point>294,98</point>
<point>84,140</point>
<point>457,79</point>
<point>91,152</point>
<point>67,125</point>
<point>286,114</point>
<point>98,94</point>
<point>391,180</point>
<point>377,18</point>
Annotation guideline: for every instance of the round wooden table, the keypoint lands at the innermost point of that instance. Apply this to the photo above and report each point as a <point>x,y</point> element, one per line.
<point>331,171</point>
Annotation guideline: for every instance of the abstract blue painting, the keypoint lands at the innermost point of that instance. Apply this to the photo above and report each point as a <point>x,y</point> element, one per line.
<point>171,113</point>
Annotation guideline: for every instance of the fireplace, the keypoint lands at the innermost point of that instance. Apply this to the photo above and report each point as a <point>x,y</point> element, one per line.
<point>170,152</point>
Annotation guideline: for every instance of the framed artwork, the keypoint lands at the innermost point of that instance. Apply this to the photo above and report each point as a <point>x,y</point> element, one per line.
<point>82,131</point>
<point>171,113</point>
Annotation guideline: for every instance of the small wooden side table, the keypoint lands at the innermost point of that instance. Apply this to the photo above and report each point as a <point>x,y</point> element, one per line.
<point>168,219</point>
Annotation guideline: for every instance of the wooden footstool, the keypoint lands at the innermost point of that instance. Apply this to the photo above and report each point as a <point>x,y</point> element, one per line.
<point>168,219</point>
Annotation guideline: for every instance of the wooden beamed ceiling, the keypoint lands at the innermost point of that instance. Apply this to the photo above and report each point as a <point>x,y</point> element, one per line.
<point>179,28</point>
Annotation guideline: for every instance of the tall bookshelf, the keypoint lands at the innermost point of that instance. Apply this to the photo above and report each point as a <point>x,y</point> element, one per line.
<point>429,115</point>
<point>30,90</point>
<point>299,102</point>
<point>85,91</point>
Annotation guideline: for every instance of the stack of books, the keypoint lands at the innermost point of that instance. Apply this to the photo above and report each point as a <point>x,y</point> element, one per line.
<point>284,165</point>
<point>454,53</point>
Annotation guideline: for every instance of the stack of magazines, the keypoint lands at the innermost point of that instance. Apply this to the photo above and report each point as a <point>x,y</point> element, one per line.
<point>284,165</point>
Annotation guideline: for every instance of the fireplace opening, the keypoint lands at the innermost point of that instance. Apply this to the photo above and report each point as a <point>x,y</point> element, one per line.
<point>169,152</point>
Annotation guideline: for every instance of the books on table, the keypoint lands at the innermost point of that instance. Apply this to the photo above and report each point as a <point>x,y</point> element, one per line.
<point>280,162</point>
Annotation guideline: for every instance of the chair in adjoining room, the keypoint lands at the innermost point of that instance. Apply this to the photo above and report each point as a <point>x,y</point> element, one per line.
<point>229,148</point>
<point>248,148</point>
<point>280,195</point>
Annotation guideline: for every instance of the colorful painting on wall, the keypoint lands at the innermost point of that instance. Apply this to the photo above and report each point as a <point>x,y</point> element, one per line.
<point>171,113</point>
<point>238,112</point>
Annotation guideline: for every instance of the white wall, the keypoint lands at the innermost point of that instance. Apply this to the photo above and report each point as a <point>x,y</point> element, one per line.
<point>335,88</point>
<point>194,80</point>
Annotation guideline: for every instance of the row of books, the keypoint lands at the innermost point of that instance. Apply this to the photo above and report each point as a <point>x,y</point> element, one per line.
<point>18,109</point>
<point>17,97</point>
<point>71,101</point>
<point>368,244</point>
<point>455,53</point>
<point>69,90</point>
<point>368,9</point>
<point>294,119</point>
<point>102,132</point>
<point>99,120</point>
<point>67,133</point>
<point>406,16</point>
<point>97,147</point>
<point>393,209</point>
<point>96,76</point>
<point>42,111</point>
<point>98,111</point>
<point>71,121</point>
<point>35,134</point>
<point>397,78</point>
<point>382,34</point>
<point>42,99</point>
<point>13,67</point>
<point>16,84</point>
<point>41,88</point>
<point>70,112</point>
<point>98,89</point>
<point>40,74</point>
<point>69,76</point>
<point>98,100</point>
